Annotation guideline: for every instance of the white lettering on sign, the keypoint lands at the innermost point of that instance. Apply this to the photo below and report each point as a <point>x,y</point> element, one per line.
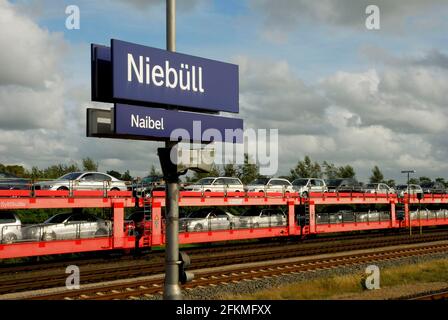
<point>146,122</point>
<point>189,78</point>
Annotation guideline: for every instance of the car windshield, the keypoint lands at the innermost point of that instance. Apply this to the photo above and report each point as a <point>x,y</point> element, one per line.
<point>205,181</point>
<point>426,184</point>
<point>150,179</point>
<point>334,182</point>
<point>250,213</point>
<point>70,176</point>
<point>59,218</point>
<point>260,181</point>
<point>300,182</point>
<point>199,214</point>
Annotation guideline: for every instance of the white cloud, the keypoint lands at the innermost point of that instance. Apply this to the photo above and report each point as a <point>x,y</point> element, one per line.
<point>31,87</point>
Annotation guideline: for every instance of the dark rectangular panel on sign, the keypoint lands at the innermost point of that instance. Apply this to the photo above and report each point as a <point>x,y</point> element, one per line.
<point>143,75</point>
<point>101,73</point>
<point>161,124</point>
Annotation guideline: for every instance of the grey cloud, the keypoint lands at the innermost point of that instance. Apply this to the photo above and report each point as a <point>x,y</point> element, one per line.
<point>144,4</point>
<point>432,58</point>
<point>285,15</point>
<point>391,117</point>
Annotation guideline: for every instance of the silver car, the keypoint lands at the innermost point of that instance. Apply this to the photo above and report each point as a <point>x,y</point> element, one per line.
<point>256,218</point>
<point>378,188</point>
<point>270,185</point>
<point>68,226</point>
<point>10,227</point>
<point>306,185</point>
<point>372,216</point>
<point>216,184</point>
<point>413,189</point>
<point>83,181</point>
<point>207,219</point>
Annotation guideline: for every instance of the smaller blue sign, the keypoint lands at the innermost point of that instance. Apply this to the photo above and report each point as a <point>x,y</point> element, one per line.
<point>161,124</point>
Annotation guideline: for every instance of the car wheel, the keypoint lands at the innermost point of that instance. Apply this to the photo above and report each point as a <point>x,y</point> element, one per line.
<point>114,189</point>
<point>9,238</point>
<point>305,194</point>
<point>62,189</point>
<point>48,236</point>
<point>198,227</point>
<point>100,233</point>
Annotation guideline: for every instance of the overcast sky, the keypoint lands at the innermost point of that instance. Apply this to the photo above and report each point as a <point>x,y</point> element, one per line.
<point>335,90</point>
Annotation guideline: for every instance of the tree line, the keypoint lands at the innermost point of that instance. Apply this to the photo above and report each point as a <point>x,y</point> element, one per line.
<point>246,172</point>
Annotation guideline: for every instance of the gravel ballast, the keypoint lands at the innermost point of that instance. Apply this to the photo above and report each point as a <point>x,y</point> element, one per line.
<point>251,286</point>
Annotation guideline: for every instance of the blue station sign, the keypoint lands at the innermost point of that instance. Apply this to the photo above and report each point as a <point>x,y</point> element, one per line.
<point>157,93</point>
<point>142,74</point>
<point>162,124</point>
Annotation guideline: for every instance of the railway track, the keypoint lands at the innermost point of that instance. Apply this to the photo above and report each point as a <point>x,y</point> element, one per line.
<point>149,288</point>
<point>204,260</point>
<point>438,295</point>
<point>15,268</point>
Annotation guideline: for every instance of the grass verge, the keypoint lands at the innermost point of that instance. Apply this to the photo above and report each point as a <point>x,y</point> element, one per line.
<point>329,287</point>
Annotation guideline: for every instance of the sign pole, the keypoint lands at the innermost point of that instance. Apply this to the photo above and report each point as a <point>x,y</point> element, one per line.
<point>172,289</point>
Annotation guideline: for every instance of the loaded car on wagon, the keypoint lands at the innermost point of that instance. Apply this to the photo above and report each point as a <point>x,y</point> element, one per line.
<point>207,219</point>
<point>68,226</point>
<point>378,188</point>
<point>433,187</point>
<point>89,180</point>
<point>343,185</point>
<point>413,189</point>
<point>270,185</point>
<point>216,184</point>
<point>9,181</point>
<point>10,227</point>
<point>306,185</point>
<point>256,218</point>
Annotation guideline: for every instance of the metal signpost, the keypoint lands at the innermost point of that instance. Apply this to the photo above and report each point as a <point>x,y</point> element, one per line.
<point>172,289</point>
<point>156,92</point>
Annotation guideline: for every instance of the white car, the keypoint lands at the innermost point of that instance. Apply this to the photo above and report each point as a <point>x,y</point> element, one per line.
<point>83,181</point>
<point>216,184</point>
<point>306,185</point>
<point>270,185</point>
<point>10,227</point>
<point>256,218</point>
<point>413,189</point>
<point>207,219</point>
<point>378,188</point>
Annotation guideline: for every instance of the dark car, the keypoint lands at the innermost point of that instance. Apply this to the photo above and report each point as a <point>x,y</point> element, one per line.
<point>343,185</point>
<point>11,182</point>
<point>432,187</point>
<point>149,184</point>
